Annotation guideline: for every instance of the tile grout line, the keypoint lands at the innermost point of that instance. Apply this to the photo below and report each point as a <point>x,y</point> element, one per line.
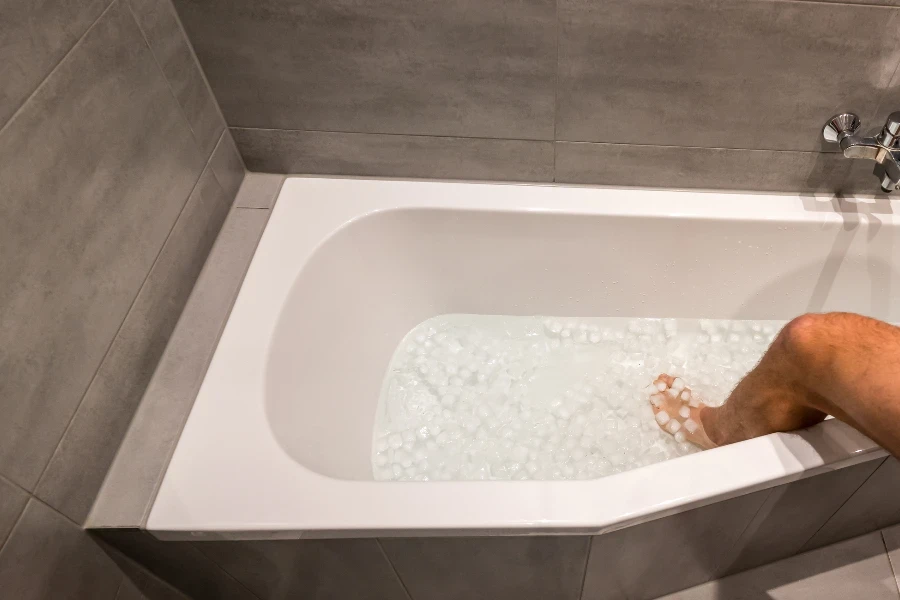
<point>50,73</point>
<point>830,3</point>
<point>165,77</point>
<point>35,498</point>
<point>28,497</point>
<point>587,560</point>
<point>555,153</point>
<point>12,529</point>
<point>393,134</point>
<point>121,586</point>
<point>393,568</point>
<point>512,139</point>
<point>196,547</point>
<point>118,331</point>
<point>556,89</point>
<point>717,574</point>
<point>837,510</point>
<point>199,66</point>
<point>884,93</point>
<point>220,141</point>
<point>890,562</point>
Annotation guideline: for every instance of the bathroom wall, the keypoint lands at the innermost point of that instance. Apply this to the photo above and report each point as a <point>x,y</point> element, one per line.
<point>116,173</point>
<point>727,94</point>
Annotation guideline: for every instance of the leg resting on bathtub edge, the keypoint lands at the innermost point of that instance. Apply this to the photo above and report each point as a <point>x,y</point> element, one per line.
<point>841,364</point>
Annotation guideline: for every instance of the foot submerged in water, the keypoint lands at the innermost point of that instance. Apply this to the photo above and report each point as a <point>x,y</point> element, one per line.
<point>677,411</point>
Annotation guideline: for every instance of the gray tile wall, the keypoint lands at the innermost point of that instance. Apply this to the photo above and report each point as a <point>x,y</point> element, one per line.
<point>718,94</point>
<point>117,172</point>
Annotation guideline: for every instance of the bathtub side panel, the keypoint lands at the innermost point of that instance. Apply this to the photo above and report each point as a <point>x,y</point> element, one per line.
<point>792,514</point>
<point>341,568</point>
<point>500,568</point>
<point>875,505</point>
<point>669,554</point>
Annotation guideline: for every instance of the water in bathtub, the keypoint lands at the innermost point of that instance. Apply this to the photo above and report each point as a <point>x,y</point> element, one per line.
<point>470,397</point>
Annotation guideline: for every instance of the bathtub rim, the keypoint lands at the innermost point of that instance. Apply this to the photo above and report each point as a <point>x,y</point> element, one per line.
<point>188,504</point>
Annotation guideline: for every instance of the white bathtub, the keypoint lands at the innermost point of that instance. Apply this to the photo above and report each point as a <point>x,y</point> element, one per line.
<point>278,442</point>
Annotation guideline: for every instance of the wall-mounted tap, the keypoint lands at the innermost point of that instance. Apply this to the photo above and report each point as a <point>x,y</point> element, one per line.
<point>883,148</point>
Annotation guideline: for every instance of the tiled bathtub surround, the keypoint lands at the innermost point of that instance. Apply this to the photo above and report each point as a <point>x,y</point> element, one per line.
<point>115,180</point>
<point>722,94</point>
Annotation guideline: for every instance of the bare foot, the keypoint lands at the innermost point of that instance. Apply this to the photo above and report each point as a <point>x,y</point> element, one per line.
<point>677,410</point>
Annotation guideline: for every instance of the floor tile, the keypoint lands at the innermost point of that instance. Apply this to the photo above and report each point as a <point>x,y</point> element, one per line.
<point>48,556</point>
<point>496,568</point>
<point>856,568</point>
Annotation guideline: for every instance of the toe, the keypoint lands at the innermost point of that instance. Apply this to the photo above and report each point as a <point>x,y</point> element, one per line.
<point>666,379</point>
<point>677,410</point>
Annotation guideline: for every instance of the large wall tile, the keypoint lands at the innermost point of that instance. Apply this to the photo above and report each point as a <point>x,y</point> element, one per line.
<point>76,472</point>
<point>792,513</point>
<point>12,501</point>
<point>96,169</point>
<point>499,568</point>
<point>309,569</point>
<point>178,563</point>
<point>718,73</point>
<point>34,36</point>
<point>160,25</point>
<point>875,504</point>
<point>131,483</point>
<point>48,556</point>
<point>667,554</point>
<point>857,568</point>
<point>454,68</point>
<point>281,151</point>
<point>712,168</point>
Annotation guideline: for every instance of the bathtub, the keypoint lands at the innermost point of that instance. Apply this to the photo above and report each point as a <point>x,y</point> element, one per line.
<point>278,442</point>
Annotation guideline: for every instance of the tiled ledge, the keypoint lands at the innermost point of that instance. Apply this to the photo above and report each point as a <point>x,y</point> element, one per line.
<point>131,483</point>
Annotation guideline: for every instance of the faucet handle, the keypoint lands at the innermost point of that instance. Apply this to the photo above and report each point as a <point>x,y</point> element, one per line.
<point>840,126</point>
<point>891,132</point>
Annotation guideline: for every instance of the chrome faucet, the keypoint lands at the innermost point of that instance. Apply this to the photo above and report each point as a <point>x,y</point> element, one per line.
<point>883,148</point>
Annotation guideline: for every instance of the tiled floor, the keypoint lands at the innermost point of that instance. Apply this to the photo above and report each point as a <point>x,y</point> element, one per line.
<point>862,567</point>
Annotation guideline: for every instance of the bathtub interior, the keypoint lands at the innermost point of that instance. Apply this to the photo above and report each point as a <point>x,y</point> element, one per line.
<point>377,277</point>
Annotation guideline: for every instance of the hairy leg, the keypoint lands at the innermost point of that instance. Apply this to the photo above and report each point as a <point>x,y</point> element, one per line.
<point>841,364</point>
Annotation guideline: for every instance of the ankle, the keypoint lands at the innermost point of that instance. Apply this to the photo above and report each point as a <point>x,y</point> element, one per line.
<point>709,421</point>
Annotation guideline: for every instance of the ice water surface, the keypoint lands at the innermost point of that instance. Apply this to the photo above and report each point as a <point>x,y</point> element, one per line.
<point>473,397</point>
